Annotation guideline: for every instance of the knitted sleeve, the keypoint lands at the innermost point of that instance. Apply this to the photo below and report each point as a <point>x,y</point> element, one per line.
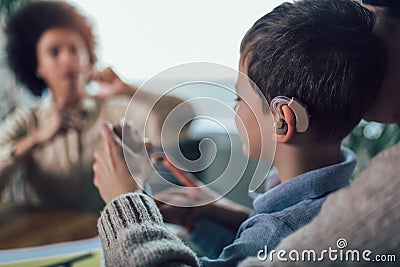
<point>132,233</point>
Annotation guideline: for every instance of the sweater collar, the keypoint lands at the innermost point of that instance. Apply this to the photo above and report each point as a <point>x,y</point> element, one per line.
<point>86,107</point>
<point>309,185</point>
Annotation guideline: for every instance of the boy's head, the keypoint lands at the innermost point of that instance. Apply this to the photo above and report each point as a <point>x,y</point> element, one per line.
<point>322,53</point>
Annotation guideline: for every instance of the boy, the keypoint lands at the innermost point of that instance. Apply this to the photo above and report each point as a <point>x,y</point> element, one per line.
<point>318,65</point>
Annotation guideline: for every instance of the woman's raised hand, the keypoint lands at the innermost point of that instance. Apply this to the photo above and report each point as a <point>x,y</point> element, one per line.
<point>110,84</point>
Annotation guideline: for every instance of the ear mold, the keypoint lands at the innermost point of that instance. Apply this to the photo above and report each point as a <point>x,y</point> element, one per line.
<point>299,110</point>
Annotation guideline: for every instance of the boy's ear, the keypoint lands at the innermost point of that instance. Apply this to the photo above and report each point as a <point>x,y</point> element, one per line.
<point>289,117</point>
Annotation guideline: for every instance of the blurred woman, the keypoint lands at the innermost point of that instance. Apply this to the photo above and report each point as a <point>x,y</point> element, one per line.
<point>50,146</point>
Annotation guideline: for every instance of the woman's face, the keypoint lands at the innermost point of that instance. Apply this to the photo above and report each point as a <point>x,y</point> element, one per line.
<point>386,109</point>
<point>63,62</point>
<point>253,122</point>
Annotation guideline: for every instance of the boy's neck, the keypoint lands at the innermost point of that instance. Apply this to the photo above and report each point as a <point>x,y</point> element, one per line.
<point>293,160</point>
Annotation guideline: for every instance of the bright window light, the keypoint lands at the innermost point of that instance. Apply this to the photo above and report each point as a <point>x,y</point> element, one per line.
<point>142,38</point>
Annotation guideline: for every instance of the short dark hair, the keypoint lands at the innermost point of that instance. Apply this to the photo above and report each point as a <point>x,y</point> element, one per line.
<point>25,28</point>
<point>323,53</point>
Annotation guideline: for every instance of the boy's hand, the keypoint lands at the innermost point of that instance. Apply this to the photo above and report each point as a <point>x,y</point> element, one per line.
<point>184,209</point>
<point>184,206</point>
<point>111,175</point>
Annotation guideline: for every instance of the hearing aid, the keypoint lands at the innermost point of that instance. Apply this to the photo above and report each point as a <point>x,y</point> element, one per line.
<point>280,127</point>
<point>299,110</point>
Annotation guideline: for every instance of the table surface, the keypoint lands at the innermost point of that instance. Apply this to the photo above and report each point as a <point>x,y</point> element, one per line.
<point>28,226</point>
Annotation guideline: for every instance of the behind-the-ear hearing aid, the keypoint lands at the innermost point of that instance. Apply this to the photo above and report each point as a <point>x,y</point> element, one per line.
<point>299,110</point>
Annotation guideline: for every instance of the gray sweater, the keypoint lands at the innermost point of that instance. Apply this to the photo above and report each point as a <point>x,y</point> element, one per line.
<point>366,214</point>
<point>146,242</point>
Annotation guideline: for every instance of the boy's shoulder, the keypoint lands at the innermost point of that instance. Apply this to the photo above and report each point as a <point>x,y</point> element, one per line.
<point>263,230</point>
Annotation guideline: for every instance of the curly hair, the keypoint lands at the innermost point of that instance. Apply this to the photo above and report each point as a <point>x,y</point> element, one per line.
<point>25,28</point>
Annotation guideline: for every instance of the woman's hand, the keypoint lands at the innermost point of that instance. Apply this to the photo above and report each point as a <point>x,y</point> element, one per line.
<point>111,174</point>
<point>58,122</point>
<point>110,84</point>
<point>52,127</point>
